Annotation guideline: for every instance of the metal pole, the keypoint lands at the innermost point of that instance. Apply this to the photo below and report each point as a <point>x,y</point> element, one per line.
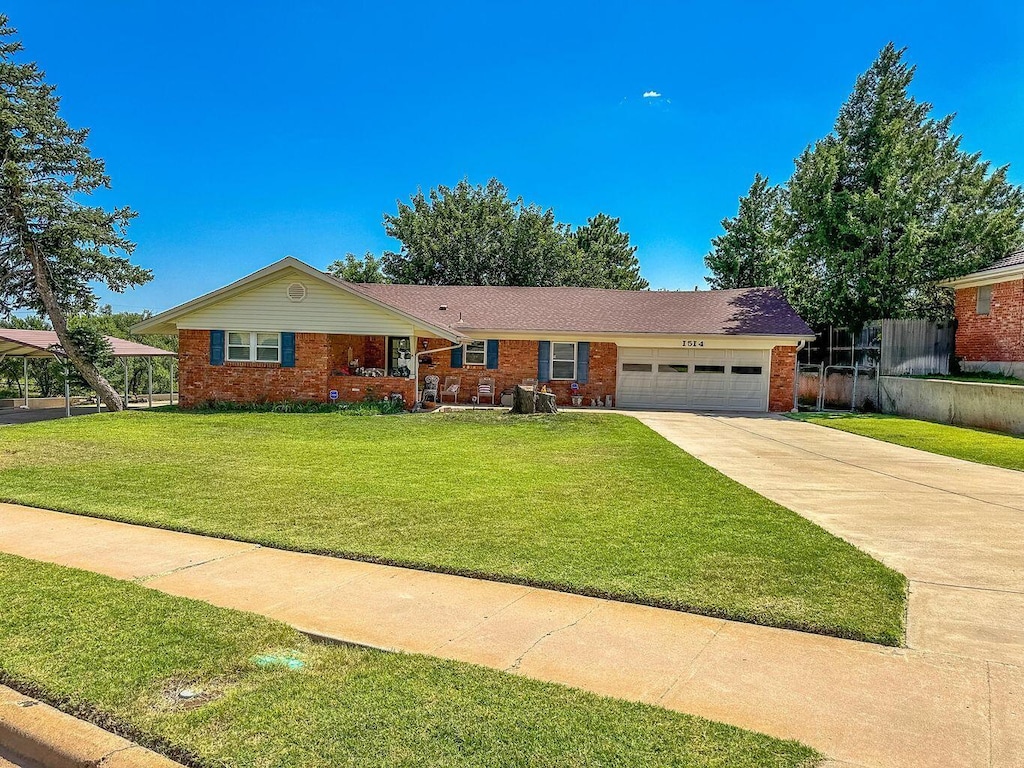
<point>24,361</point>
<point>67,392</point>
<point>124,362</point>
<point>149,361</point>
<point>172,379</point>
<point>98,409</point>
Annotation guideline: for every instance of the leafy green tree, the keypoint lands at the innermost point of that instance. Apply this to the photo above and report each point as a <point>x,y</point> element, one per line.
<point>53,247</point>
<point>365,270</point>
<point>889,203</point>
<point>44,373</point>
<point>606,258</point>
<point>752,251</point>
<point>479,235</point>
<point>119,325</point>
<point>466,235</point>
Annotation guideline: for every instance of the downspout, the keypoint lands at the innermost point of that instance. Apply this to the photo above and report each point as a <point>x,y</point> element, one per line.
<point>416,358</point>
<point>796,376</point>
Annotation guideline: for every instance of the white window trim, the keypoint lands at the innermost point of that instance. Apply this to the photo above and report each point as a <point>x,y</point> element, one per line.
<point>575,358</point>
<point>253,336</point>
<point>465,353</point>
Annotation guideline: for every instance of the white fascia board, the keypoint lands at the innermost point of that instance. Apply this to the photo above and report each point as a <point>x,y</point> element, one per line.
<point>986,277</point>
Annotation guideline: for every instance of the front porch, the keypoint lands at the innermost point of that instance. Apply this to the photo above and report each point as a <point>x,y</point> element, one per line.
<point>371,367</point>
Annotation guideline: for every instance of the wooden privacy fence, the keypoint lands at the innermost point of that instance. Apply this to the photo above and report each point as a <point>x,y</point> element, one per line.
<point>916,347</point>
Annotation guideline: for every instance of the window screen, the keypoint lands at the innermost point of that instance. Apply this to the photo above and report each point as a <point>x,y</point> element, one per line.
<point>984,299</point>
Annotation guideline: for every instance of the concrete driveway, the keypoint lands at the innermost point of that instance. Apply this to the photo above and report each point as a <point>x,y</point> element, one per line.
<point>954,528</point>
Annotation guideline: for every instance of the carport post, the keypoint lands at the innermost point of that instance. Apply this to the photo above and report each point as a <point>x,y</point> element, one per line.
<point>149,362</point>
<point>24,361</point>
<point>67,391</point>
<point>98,402</point>
<point>124,362</point>
<point>170,370</point>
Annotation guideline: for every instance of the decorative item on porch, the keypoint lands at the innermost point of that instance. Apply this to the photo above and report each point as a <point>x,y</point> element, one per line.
<point>529,400</point>
<point>577,398</point>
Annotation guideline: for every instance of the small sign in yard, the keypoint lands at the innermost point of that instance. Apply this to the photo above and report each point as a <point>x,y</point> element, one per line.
<point>333,394</point>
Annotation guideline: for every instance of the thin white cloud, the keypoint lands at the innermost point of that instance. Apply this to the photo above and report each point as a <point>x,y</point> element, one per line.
<point>652,95</point>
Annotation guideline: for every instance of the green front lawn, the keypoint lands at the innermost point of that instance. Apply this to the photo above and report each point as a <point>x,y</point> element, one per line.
<point>977,445</point>
<point>119,654</point>
<point>597,504</point>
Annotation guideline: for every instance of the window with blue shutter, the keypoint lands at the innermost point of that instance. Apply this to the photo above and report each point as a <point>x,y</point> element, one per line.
<point>582,361</point>
<point>216,347</point>
<point>543,361</point>
<point>492,354</point>
<point>287,350</point>
<point>456,357</point>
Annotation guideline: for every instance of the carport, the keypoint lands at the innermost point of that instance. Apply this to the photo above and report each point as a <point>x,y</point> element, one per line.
<point>43,344</point>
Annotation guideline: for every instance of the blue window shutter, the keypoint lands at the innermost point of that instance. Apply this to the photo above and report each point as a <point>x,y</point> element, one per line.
<point>543,361</point>
<point>287,350</point>
<point>582,361</point>
<point>216,347</point>
<point>492,354</point>
<point>457,357</point>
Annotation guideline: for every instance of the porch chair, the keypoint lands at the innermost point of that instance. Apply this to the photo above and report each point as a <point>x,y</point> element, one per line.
<point>485,388</point>
<point>430,385</point>
<point>451,387</point>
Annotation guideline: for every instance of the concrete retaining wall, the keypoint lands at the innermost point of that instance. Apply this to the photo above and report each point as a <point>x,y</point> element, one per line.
<point>969,404</point>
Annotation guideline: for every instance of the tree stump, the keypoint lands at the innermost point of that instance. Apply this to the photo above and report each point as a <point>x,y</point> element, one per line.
<point>523,400</point>
<point>527,400</point>
<point>546,403</point>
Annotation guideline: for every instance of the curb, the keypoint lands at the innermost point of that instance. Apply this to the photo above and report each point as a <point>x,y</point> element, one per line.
<point>45,735</point>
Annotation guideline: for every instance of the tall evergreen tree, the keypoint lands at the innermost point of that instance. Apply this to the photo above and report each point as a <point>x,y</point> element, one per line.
<point>606,258</point>
<point>752,250</point>
<point>53,247</point>
<point>889,203</point>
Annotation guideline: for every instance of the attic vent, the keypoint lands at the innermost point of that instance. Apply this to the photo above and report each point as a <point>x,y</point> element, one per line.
<point>296,291</point>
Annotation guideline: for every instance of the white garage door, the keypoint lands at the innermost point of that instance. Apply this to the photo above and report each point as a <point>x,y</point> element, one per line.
<point>697,379</point>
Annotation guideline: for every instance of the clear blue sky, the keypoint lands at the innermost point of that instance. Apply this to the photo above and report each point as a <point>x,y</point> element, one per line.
<point>242,132</point>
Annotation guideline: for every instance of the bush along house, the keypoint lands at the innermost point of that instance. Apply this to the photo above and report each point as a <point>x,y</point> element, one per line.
<point>989,311</point>
<point>291,332</point>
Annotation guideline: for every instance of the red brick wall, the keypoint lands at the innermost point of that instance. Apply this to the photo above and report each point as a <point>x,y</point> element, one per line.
<point>356,389</point>
<point>781,378</point>
<point>997,336</point>
<point>252,382</point>
<point>517,360</point>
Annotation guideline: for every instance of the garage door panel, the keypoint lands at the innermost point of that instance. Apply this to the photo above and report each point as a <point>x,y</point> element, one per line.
<point>699,379</point>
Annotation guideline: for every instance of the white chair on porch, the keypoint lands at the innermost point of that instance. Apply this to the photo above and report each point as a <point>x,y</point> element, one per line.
<point>485,388</point>
<point>451,387</point>
<point>431,384</point>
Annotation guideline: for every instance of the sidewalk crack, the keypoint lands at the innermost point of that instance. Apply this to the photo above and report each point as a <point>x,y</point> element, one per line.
<point>693,662</point>
<point>515,664</point>
<point>484,620</point>
<point>150,577</point>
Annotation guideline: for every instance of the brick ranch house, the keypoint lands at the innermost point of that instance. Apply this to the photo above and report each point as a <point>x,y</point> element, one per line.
<point>291,332</point>
<point>990,317</point>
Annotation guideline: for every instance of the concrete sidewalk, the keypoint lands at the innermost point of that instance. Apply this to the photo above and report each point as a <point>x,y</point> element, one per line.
<point>954,528</point>
<point>858,703</point>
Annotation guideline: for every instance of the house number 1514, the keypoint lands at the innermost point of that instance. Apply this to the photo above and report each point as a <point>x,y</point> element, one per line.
<point>692,343</point>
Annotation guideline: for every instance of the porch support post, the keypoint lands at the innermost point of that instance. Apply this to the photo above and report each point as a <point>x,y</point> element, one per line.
<point>170,371</point>
<point>149,362</point>
<point>415,371</point>
<point>124,362</point>
<point>24,361</point>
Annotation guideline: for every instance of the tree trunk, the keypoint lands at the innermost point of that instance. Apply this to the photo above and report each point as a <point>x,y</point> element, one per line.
<point>85,366</point>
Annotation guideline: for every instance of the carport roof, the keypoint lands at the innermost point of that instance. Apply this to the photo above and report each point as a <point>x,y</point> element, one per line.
<point>23,343</point>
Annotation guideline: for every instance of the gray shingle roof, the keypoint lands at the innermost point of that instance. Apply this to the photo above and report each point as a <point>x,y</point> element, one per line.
<point>1014,259</point>
<point>743,311</point>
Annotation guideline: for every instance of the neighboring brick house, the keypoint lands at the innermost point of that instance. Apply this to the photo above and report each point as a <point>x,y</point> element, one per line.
<point>990,317</point>
<point>291,332</point>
